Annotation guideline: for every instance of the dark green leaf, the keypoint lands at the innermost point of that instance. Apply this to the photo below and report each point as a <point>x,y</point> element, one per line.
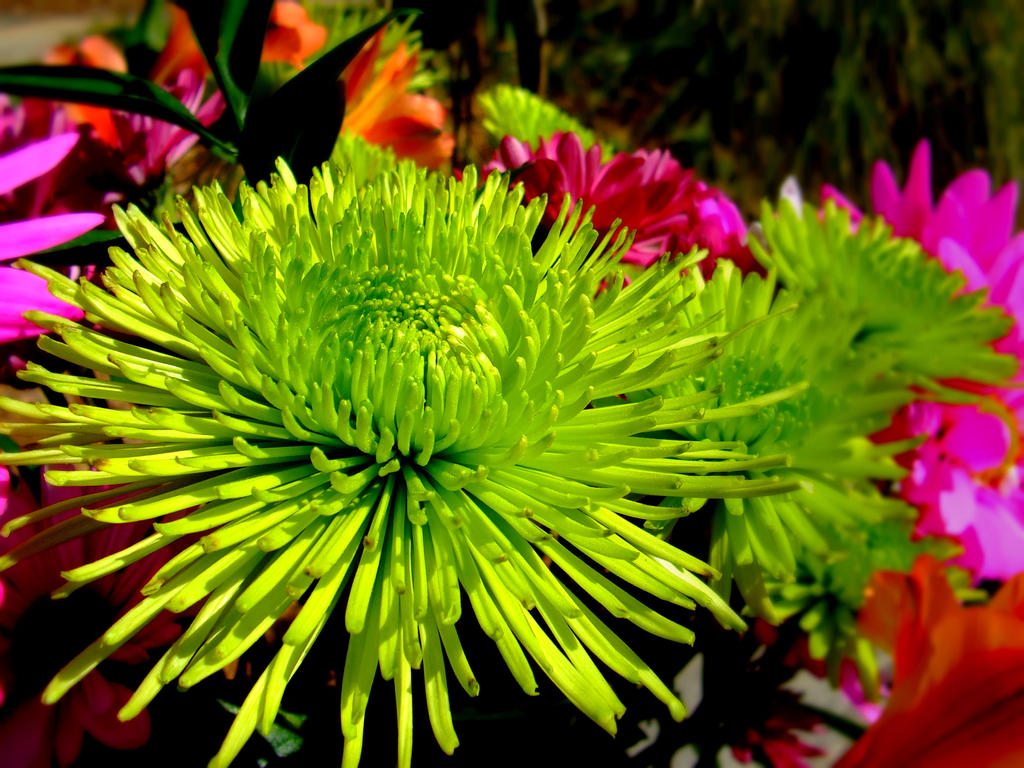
<point>87,85</point>
<point>301,120</point>
<point>90,248</point>
<point>230,35</point>
<point>283,740</point>
<point>150,30</point>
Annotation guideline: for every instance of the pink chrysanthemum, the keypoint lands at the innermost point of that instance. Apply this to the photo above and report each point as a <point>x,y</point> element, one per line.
<point>668,209</point>
<point>966,478</point>
<point>38,634</point>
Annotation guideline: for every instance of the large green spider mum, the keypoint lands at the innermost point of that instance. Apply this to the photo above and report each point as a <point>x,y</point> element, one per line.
<point>800,391</point>
<point>830,590</point>
<point>375,401</point>
<point>905,303</point>
<point>512,111</point>
<point>356,157</point>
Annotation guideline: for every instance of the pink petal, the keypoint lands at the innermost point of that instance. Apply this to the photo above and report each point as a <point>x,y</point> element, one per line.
<point>980,440</point>
<point>33,160</point>
<point>1007,286</point>
<point>955,258</point>
<point>972,188</point>
<point>104,726</point>
<point>828,192</point>
<point>995,226</point>
<point>916,204</point>
<point>20,292</point>
<point>20,238</point>
<point>885,193</point>
<point>958,505</point>
<point>952,220</point>
<point>994,542</point>
<point>514,153</point>
<point>72,712</point>
<point>26,735</point>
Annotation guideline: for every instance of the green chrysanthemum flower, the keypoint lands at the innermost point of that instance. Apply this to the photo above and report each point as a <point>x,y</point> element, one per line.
<point>830,591</point>
<point>356,157</point>
<point>383,399</point>
<point>904,302</point>
<point>522,114</point>
<point>799,391</point>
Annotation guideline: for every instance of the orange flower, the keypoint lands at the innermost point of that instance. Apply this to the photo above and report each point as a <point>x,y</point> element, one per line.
<point>291,37</point>
<point>181,52</point>
<point>379,109</point>
<point>93,51</point>
<point>958,682</point>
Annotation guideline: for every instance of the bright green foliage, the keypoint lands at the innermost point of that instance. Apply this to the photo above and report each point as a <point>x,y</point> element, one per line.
<point>376,401</point>
<point>904,302</point>
<point>364,161</point>
<point>830,590</point>
<point>522,114</point>
<point>801,393</point>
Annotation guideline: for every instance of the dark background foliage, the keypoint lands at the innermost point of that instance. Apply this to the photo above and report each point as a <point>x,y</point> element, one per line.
<point>749,91</point>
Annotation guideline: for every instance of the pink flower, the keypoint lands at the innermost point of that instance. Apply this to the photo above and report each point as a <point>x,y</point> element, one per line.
<point>965,484</point>
<point>20,238</point>
<point>149,147</point>
<point>22,291</point>
<point>965,479</point>
<point>667,208</point>
<point>38,635</point>
<point>82,181</point>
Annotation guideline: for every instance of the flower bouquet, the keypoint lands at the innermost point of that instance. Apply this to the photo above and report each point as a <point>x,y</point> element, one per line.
<point>301,408</point>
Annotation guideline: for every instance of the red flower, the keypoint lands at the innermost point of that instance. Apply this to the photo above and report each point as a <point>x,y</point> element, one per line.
<point>38,635</point>
<point>668,208</point>
<point>958,680</point>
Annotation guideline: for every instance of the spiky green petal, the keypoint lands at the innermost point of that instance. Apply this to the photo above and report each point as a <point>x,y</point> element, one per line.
<point>795,388</point>
<point>830,590</point>
<point>873,277</point>
<point>512,111</point>
<point>377,400</point>
<point>353,155</point>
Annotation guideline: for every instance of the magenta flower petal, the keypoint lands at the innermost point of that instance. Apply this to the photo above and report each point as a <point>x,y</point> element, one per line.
<point>33,160</point>
<point>980,440</point>
<point>20,238</point>
<point>989,525</point>
<point>885,194</point>
<point>20,292</point>
<point>1007,277</point>
<point>955,257</point>
<point>828,192</point>
<point>972,188</point>
<point>995,226</point>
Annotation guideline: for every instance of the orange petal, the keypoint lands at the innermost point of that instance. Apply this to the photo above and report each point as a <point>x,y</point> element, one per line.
<point>181,52</point>
<point>1010,597</point>
<point>291,36</point>
<point>971,717</point>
